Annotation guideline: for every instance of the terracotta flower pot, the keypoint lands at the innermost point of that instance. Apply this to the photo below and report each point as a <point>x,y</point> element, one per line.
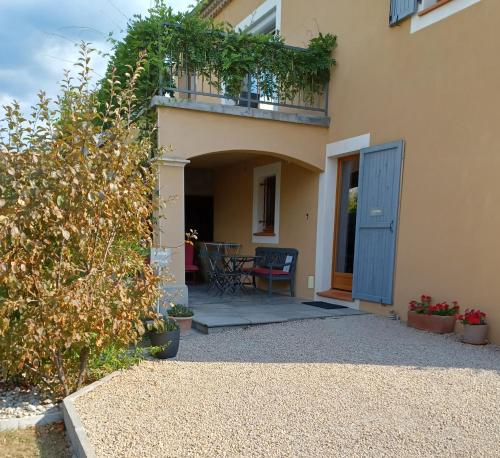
<point>432,323</point>
<point>475,334</point>
<point>184,322</point>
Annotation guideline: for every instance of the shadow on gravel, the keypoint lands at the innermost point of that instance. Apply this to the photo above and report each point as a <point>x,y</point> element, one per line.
<point>366,339</point>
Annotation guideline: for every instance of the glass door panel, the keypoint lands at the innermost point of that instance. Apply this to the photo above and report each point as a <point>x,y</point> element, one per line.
<point>345,222</point>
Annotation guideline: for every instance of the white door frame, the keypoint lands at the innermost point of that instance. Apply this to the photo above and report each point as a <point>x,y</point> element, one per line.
<point>326,212</point>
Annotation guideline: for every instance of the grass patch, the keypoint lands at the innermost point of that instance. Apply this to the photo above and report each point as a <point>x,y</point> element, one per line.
<point>44,442</point>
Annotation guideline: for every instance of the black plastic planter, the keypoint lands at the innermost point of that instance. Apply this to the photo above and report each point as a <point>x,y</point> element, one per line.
<point>171,339</point>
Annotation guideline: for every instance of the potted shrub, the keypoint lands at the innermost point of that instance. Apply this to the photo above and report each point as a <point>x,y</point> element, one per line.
<point>475,327</point>
<point>165,337</point>
<point>183,316</point>
<point>439,318</point>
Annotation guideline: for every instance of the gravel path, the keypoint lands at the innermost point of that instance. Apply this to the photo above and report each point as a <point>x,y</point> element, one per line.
<point>355,386</point>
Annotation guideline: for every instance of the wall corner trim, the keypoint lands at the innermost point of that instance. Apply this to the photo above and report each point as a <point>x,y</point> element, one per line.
<point>171,161</point>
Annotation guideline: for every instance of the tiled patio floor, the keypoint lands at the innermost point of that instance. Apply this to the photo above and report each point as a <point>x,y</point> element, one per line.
<point>215,312</point>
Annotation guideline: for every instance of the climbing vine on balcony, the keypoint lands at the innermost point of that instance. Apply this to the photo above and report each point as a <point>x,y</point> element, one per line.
<point>217,52</point>
<point>225,57</point>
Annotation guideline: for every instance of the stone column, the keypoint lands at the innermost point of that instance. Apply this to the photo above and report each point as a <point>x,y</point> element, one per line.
<point>168,252</point>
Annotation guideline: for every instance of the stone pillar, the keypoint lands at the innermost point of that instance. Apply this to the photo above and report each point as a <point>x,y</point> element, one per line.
<point>169,234</point>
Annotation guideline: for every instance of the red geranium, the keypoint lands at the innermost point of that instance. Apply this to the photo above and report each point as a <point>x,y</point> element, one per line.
<point>473,317</point>
<point>426,307</point>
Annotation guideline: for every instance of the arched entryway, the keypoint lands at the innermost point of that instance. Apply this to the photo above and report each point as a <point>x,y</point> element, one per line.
<point>231,151</point>
<point>254,198</point>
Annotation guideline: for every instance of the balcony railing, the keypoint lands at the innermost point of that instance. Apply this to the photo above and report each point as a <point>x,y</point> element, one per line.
<point>178,81</point>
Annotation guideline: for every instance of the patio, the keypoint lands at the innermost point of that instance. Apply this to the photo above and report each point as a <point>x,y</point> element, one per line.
<point>254,307</point>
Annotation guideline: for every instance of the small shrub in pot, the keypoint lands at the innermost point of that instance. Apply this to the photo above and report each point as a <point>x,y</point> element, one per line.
<point>165,336</point>
<point>183,316</point>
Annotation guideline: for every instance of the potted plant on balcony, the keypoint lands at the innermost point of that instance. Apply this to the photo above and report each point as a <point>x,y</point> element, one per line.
<point>183,316</point>
<point>438,318</point>
<point>165,337</point>
<point>475,327</point>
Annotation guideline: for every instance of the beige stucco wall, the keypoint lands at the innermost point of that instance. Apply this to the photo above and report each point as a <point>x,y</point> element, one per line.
<point>298,212</point>
<point>438,90</point>
<point>237,10</point>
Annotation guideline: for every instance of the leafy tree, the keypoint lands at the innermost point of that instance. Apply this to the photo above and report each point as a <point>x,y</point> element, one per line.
<point>145,36</point>
<point>75,200</point>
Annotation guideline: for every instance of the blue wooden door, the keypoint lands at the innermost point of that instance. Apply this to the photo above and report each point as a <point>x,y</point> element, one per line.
<point>377,221</point>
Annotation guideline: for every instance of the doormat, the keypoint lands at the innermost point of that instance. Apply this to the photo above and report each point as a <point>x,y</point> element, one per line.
<point>324,305</point>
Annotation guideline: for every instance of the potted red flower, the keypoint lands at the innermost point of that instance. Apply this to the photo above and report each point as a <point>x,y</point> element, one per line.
<point>439,318</point>
<point>475,327</point>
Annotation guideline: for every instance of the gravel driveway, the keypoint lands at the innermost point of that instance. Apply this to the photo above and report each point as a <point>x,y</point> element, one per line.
<point>354,386</point>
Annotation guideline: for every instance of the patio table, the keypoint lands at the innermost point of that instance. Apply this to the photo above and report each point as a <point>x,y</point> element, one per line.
<point>235,269</point>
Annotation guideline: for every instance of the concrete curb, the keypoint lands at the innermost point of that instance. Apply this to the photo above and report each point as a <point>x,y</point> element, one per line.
<point>75,431</point>
<point>52,415</point>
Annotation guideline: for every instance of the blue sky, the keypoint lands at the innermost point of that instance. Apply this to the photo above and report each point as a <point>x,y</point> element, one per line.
<point>37,40</point>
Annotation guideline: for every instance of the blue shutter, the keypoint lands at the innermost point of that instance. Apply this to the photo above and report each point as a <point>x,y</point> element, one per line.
<point>377,221</point>
<point>401,9</point>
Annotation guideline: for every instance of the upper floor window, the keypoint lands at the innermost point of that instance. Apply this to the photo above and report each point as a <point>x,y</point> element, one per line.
<point>265,19</point>
<point>425,12</point>
<point>432,11</point>
<point>430,5</point>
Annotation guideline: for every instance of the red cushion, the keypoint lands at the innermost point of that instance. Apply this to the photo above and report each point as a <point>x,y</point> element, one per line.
<point>192,268</point>
<point>265,271</point>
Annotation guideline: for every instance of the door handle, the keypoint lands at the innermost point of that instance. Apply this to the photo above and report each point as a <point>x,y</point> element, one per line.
<point>391,226</point>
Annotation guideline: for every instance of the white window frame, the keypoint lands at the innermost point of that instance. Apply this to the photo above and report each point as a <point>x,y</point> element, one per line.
<point>440,13</point>
<point>258,174</point>
<point>261,18</point>
<point>267,16</point>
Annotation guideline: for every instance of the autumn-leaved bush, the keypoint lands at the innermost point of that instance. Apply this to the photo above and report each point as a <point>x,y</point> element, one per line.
<point>75,205</point>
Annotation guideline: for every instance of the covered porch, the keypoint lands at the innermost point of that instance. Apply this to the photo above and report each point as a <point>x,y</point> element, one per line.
<point>240,158</point>
<point>253,202</point>
<point>237,177</point>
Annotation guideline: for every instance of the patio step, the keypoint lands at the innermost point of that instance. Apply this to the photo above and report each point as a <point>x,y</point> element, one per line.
<point>219,327</point>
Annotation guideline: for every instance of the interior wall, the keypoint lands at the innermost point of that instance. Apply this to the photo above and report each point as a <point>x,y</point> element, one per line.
<point>199,199</point>
<point>198,182</point>
<point>298,213</point>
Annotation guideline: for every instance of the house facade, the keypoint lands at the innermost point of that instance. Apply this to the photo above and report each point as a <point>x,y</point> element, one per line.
<point>389,193</point>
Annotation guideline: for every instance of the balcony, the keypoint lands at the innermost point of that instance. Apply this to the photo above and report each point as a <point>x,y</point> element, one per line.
<point>187,83</point>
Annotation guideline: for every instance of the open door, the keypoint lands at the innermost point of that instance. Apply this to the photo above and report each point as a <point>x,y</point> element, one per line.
<point>377,222</point>
<point>345,222</point>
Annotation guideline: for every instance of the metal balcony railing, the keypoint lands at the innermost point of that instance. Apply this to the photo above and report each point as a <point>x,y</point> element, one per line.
<point>177,81</point>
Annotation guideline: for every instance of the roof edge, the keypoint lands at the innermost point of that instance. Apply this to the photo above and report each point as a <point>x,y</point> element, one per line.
<point>213,7</point>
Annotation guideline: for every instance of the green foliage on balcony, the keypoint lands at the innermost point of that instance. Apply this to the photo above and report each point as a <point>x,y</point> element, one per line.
<point>225,57</point>
<point>221,55</point>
